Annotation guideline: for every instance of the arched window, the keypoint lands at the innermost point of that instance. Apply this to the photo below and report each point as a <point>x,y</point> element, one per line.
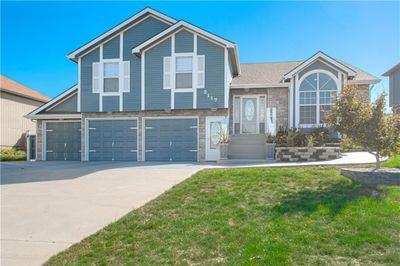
<point>316,95</point>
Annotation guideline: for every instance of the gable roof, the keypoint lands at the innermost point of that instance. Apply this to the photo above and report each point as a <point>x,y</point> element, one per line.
<point>188,26</point>
<point>390,71</point>
<point>348,70</point>
<point>272,74</point>
<point>108,34</point>
<point>53,101</point>
<point>16,88</point>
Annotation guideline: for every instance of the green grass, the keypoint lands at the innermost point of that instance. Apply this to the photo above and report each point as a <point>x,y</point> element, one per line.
<point>393,162</point>
<point>286,216</point>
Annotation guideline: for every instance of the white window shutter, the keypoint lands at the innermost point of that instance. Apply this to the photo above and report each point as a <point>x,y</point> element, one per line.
<point>126,76</point>
<point>201,71</point>
<point>96,78</point>
<point>167,73</point>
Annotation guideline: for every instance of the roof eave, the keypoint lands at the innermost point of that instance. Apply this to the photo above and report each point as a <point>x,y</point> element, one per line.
<point>390,71</point>
<point>350,72</point>
<point>73,55</point>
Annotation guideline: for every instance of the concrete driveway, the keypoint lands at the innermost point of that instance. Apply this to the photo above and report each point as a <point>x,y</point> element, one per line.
<point>48,206</point>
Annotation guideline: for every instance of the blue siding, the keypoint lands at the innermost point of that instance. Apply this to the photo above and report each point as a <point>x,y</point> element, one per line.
<point>214,76</point>
<point>184,42</point>
<point>68,106</point>
<point>155,96</point>
<point>89,100</point>
<point>111,49</point>
<point>132,38</point>
<point>184,100</point>
<point>110,103</point>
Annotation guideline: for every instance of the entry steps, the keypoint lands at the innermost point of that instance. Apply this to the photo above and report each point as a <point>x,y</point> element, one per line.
<point>247,146</point>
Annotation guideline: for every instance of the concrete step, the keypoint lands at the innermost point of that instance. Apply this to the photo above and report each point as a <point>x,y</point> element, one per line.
<point>246,148</point>
<point>245,161</point>
<point>246,156</point>
<point>248,137</point>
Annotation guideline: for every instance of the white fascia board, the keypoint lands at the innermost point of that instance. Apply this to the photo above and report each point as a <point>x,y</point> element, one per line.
<point>120,26</point>
<point>54,116</point>
<point>260,85</point>
<point>54,100</point>
<point>349,71</point>
<point>166,32</point>
<point>368,81</point>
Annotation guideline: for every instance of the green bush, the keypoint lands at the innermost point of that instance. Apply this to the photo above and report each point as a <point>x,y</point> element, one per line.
<point>12,155</point>
<point>346,144</point>
<point>296,137</point>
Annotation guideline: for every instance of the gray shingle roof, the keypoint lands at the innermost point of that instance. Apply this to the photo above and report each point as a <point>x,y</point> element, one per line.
<point>260,73</point>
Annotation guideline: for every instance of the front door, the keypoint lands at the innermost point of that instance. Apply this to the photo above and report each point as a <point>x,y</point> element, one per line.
<point>249,115</point>
<point>214,124</point>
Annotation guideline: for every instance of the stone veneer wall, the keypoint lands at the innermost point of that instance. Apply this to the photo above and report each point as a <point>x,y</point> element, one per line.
<point>39,140</point>
<point>276,97</point>
<point>202,114</point>
<point>363,90</point>
<point>294,154</point>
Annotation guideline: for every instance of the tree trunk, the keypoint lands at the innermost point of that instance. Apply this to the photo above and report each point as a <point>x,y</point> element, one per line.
<point>378,161</point>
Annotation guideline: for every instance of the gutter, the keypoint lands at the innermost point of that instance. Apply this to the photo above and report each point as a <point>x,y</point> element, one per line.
<point>260,85</point>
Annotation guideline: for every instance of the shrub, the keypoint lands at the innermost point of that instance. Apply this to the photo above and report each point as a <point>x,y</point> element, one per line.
<point>296,137</point>
<point>12,155</point>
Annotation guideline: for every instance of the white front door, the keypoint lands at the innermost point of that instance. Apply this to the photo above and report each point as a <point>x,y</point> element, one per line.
<point>213,128</point>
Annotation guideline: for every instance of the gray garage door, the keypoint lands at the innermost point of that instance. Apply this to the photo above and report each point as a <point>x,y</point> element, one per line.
<point>112,140</point>
<point>171,140</point>
<point>63,141</point>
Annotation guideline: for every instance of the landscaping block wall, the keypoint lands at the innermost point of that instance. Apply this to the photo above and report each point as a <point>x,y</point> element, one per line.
<point>296,154</point>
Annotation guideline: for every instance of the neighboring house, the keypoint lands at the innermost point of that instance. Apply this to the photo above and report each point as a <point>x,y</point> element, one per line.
<point>394,86</point>
<point>157,89</point>
<point>16,101</point>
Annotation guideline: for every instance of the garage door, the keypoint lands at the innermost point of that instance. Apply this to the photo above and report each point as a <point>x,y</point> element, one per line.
<point>63,141</point>
<point>171,140</point>
<point>112,140</point>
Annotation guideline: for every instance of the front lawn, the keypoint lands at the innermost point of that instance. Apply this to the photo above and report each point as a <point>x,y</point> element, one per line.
<point>286,216</point>
<point>393,162</point>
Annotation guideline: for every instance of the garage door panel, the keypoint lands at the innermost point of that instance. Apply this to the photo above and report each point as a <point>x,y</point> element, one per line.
<point>63,141</point>
<point>171,140</point>
<point>113,140</point>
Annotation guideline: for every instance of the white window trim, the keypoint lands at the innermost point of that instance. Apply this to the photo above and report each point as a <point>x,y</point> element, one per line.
<point>298,83</point>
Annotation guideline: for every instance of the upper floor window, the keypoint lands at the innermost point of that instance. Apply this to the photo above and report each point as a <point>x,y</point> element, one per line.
<point>316,95</point>
<point>184,72</point>
<point>111,77</point>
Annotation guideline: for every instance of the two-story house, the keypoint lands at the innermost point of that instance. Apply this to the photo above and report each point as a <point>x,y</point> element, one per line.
<point>394,87</point>
<point>157,89</point>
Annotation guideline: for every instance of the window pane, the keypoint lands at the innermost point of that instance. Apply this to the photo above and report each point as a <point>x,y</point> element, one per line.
<point>184,64</point>
<point>326,97</point>
<point>309,83</point>
<point>111,85</point>
<point>308,97</point>
<point>183,80</point>
<point>323,110</point>
<point>326,83</point>
<point>111,69</point>
<point>308,114</point>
